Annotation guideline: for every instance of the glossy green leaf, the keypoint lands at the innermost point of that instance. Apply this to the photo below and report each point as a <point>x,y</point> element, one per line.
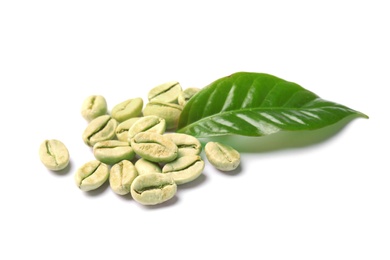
<point>257,104</point>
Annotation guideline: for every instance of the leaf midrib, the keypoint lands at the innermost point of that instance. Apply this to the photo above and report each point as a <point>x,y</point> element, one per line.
<point>302,108</point>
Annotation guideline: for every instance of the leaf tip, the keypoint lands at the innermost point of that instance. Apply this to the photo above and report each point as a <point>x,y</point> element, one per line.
<point>363,115</point>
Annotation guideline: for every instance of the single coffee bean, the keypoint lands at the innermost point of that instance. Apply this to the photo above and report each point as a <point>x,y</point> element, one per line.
<point>122,176</point>
<point>91,175</point>
<point>184,169</point>
<point>113,151</point>
<point>99,129</point>
<point>54,154</point>
<point>186,95</point>
<point>153,188</point>
<point>144,166</point>
<point>122,129</point>
<point>127,109</point>
<point>93,107</point>
<point>186,144</point>
<point>153,124</point>
<point>154,147</point>
<point>170,112</point>
<point>222,157</point>
<point>167,92</point>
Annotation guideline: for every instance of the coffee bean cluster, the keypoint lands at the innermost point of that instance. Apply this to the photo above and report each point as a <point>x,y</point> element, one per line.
<point>136,148</point>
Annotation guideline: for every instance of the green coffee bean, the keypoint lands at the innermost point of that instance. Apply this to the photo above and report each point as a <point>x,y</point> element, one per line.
<point>153,124</point>
<point>222,157</point>
<point>186,95</point>
<point>122,176</point>
<point>113,151</point>
<point>144,166</point>
<point>184,169</point>
<point>153,188</point>
<point>186,144</point>
<point>127,109</point>
<point>154,147</point>
<point>170,112</point>
<point>54,154</point>
<point>93,107</point>
<point>91,175</point>
<point>167,92</point>
<point>99,129</point>
<point>122,129</point>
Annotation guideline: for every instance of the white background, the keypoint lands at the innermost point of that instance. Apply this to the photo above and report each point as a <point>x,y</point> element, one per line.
<point>328,200</point>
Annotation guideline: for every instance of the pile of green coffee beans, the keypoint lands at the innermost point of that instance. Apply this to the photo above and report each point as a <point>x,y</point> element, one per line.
<point>136,148</point>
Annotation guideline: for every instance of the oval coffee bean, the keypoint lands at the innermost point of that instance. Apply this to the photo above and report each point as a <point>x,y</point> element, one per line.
<point>122,129</point>
<point>99,129</point>
<point>144,166</point>
<point>153,124</point>
<point>127,109</point>
<point>186,95</point>
<point>152,189</point>
<point>154,147</point>
<point>170,112</point>
<point>93,107</point>
<point>222,157</point>
<point>122,176</point>
<point>167,92</point>
<point>91,175</point>
<point>184,169</point>
<point>54,155</point>
<point>113,151</point>
<point>186,144</point>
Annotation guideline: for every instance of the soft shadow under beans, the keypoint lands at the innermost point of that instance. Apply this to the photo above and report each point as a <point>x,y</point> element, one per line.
<point>165,204</point>
<point>189,185</point>
<point>198,181</point>
<point>234,172</point>
<point>64,171</point>
<point>125,197</point>
<point>98,191</point>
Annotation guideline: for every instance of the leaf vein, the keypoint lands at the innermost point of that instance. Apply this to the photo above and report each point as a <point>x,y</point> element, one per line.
<point>266,96</point>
